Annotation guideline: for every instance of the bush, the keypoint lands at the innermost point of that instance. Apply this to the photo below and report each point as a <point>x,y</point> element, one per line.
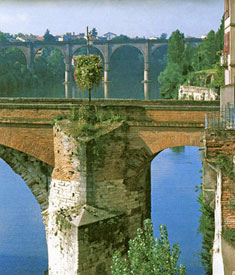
<point>149,256</point>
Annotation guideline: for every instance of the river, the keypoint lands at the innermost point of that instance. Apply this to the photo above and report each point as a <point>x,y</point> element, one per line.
<point>175,174</point>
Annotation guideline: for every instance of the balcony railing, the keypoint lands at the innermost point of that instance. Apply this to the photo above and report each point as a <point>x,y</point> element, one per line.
<point>224,59</point>
<point>223,120</point>
<point>226,14</point>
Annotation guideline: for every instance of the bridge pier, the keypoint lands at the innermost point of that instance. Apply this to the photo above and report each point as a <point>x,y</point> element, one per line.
<point>99,196</point>
<point>68,73</point>
<point>106,80</point>
<point>30,67</point>
<point>146,81</point>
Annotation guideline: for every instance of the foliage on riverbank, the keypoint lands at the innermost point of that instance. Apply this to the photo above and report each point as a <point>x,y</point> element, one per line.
<point>188,64</point>
<point>225,164</point>
<point>147,255</point>
<point>14,75</point>
<point>207,228</point>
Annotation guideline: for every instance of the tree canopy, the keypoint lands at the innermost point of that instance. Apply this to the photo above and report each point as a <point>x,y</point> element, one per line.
<point>121,37</point>
<point>163,35</point>
<point>48,37</point>
<point>186,61</point>
<point>3,37</point>
<point>94,32</point>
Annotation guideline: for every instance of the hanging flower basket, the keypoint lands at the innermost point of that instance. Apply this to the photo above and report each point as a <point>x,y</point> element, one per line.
<point>88,72</point>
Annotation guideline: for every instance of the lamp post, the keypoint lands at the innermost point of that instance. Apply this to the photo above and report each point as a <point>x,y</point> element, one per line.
<point>89,40</point>
<point>89,43</point>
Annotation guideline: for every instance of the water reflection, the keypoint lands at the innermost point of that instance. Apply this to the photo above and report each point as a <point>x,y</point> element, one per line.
<point>70,90</point>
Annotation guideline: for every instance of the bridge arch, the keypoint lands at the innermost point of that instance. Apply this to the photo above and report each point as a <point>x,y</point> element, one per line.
<point>157,141</point>
<point>92,50</point>
<point>34,172</point>
<point>98,48</point>
<point>23,49</point>
<point>158,62</point>
<point>59,48</point>
<point>127,65</point>
<point>157,46</point>
<point>49,63</point>
<point>115,47</point>
<point>38,142</point>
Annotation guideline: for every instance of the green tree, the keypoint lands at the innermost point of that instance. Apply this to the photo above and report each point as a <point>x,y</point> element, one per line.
<point>220,36</point>
<point>187,59</point>
<point>207,228</point>
<point>219,77</point>
<point>121,37</point>
<point>94,32</point>
<point>173,75</point>
<point>88,72</point>
<point>163,36</point>
<point>3,37</point>
<point>206,54</point>
<point>171,78</point>
<point>176,47</point>
<point>56,65</point>
<point>149,256</point>
<point>48,37</point>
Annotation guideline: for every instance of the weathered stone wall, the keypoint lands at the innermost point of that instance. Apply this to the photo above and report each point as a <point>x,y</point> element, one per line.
<point>222,142</point>
<point>99,196</point>
<point>220,148</point>
<point>209,182</point>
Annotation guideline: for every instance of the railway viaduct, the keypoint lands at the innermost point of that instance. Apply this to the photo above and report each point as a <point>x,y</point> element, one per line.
<point>106,49</point>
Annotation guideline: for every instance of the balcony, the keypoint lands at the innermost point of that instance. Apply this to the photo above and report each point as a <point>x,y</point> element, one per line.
<point>224,59</point>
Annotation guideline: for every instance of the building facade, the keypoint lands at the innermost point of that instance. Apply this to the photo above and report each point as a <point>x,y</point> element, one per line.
<point>196,93</point>
<point>228,54</point>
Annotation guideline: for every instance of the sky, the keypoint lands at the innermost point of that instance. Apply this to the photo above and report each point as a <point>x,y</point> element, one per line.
<point>143,18</point>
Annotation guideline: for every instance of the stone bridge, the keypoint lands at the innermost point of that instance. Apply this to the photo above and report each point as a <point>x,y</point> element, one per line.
<point>106,49</point>
<point>95,192</point>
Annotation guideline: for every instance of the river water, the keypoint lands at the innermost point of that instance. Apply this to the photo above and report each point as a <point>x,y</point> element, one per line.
<point>174,177</point>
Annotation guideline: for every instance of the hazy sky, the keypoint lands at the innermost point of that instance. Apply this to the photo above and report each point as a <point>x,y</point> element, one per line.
<point>133,17</point>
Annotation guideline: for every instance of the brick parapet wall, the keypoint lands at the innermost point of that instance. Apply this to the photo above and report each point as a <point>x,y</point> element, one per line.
<point>26,124</point>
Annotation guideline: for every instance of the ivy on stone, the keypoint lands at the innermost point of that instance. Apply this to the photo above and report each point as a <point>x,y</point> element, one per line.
<point>147,255</point>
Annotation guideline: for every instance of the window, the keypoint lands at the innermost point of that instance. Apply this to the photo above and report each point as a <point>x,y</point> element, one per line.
<point>226,42</point>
